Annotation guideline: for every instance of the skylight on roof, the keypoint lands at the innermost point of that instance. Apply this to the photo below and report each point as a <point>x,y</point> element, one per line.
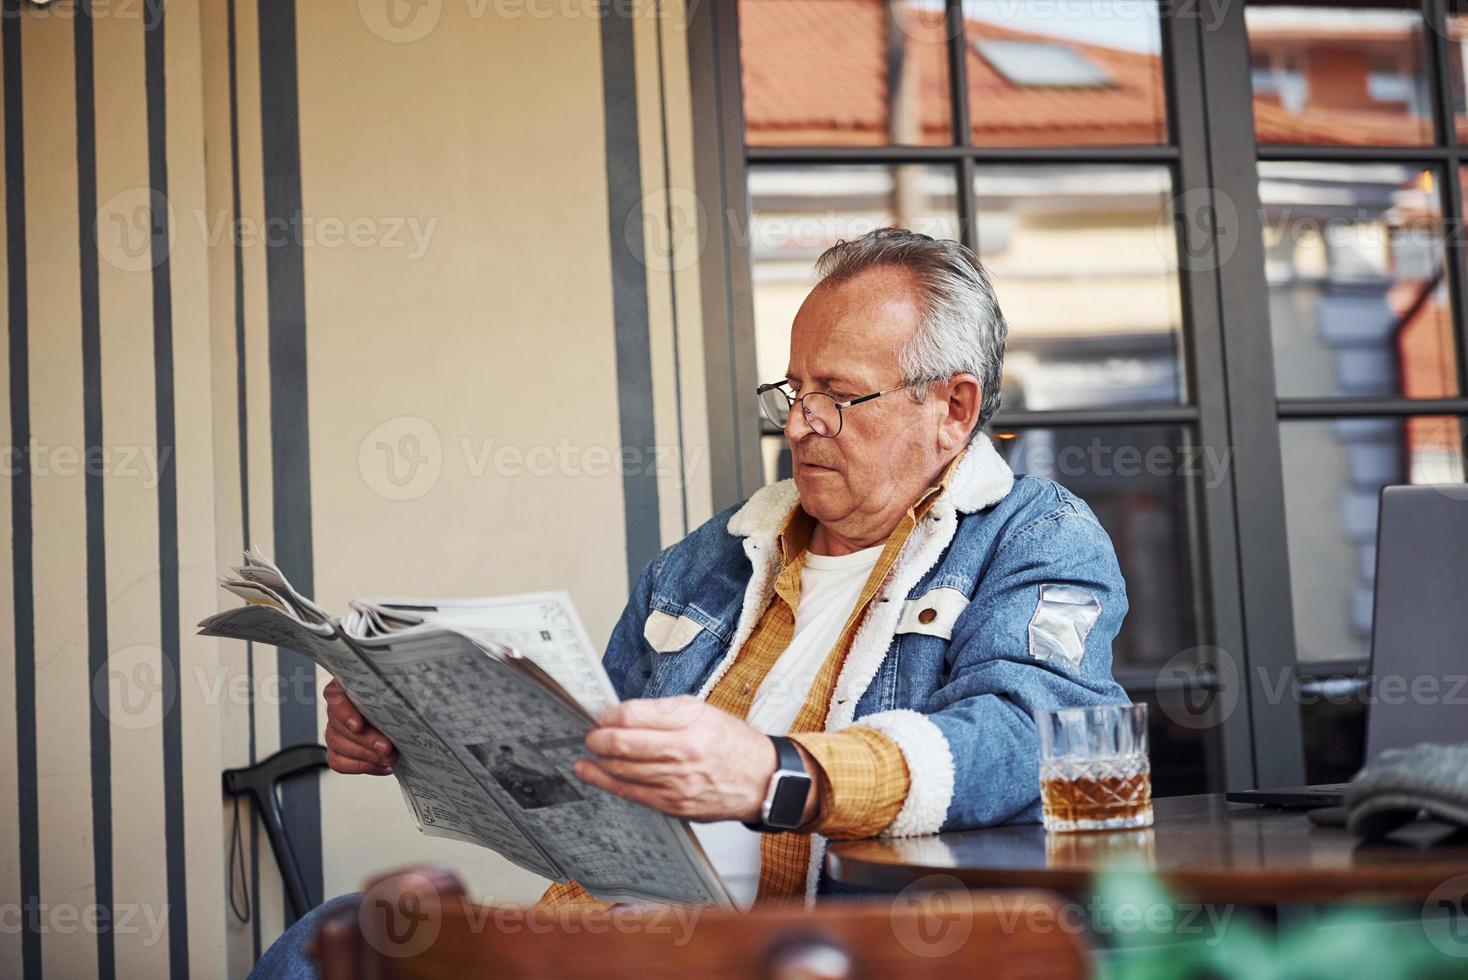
<point>1042,63</point>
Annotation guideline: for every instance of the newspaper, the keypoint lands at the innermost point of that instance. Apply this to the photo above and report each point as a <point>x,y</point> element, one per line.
<point>488,702</point>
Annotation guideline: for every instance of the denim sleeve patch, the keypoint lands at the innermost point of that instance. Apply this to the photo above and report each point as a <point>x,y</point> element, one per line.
<point>669,634</point>
<point>1062,620</point>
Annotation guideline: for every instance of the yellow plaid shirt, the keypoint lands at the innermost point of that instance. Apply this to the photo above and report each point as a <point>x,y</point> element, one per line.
<point>866,778</point>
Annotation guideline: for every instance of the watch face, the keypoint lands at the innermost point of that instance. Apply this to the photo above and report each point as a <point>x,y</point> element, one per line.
<point>788,802</point>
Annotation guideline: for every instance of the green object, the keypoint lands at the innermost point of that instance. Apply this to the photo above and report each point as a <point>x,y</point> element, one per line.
<point>1147,934</point>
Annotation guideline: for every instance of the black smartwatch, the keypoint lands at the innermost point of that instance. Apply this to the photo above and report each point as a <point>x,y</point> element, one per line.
<point>789,789</point>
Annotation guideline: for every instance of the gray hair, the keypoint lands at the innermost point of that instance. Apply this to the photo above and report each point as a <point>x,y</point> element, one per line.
<point>962,329</point>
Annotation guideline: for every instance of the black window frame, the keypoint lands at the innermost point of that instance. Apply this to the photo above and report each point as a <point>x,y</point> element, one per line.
<point>1238,526</point>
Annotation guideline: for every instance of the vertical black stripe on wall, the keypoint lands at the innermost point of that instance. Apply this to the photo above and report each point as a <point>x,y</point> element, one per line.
<point>91,317</point>
<point>290,476</point>
<point>242,421</point>
<point>629,293</point>
<point>671,244</point>
<point>24,617</point>
<point>154,24</point>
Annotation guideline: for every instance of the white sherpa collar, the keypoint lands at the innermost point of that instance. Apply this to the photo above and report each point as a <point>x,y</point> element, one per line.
<point>981,480</point>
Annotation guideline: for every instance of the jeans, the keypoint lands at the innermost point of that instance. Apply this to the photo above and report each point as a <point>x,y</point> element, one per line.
<point>286,958</point>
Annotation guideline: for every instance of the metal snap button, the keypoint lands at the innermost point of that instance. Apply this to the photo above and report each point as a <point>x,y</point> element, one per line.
<point>927,615</point>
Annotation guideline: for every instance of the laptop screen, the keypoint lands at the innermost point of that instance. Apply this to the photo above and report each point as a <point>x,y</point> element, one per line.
<point>1419,641</point>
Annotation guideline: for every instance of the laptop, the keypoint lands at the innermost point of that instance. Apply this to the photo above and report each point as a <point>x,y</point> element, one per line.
<point>1419,633</point>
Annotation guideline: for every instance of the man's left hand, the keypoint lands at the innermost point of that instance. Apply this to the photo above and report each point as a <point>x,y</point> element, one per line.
<point>681,756</point>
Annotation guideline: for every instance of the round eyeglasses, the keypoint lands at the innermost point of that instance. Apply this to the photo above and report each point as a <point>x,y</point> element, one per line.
<point>822,412</point>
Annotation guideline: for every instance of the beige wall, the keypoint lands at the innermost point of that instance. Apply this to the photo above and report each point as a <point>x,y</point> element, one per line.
<point>471,307</point>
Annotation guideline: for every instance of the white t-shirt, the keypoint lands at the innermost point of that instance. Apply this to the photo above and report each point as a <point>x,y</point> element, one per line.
<point>829,588</point>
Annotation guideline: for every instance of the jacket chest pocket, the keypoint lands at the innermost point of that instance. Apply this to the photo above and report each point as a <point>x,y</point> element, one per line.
<point>681,650</point>
<point>667,633</point>
<point>917,665</point>
<point>933,613</point>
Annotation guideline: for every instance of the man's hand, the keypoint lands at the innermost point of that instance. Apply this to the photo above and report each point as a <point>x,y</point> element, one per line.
<point>683,757</point>
<point>352,745</point>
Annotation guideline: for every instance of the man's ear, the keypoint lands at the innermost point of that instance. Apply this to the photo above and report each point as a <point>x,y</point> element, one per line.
<point>961,395</point>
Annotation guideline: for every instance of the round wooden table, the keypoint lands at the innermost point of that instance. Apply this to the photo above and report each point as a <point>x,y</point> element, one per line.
<point>1203,848</point>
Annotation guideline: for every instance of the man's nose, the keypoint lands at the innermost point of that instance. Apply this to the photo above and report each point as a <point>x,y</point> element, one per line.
<point>797,426</point>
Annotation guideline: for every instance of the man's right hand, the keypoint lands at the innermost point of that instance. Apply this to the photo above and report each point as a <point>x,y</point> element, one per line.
<point>353,746</point>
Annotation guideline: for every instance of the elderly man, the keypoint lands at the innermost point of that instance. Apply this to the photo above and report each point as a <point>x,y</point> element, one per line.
<point>858,650</point>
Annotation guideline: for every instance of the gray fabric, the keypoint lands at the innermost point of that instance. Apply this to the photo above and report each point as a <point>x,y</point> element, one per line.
<point>1400,784</point>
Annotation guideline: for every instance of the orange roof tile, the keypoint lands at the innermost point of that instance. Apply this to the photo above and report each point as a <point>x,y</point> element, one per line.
<point>815,75</point>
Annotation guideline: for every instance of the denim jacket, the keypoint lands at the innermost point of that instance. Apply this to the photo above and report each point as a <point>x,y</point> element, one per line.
<point>1005,599</point>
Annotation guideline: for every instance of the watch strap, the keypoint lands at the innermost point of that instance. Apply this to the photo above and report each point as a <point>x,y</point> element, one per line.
<point>788,760</point>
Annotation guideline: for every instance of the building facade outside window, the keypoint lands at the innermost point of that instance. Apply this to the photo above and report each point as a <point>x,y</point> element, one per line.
<point>1228,249</point>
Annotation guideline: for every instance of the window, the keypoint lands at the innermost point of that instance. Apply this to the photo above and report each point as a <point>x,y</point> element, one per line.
<point>1087,74</point>
<point>1358,296</point>
<point>1083,251</point>
<point>1456,30</point>
<point>1040,64</point>
<point>837,73</point>
<point>1338,75</point>
<point>1365,314</point>
<point>1084,260</point>
<point>1178,299</point>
